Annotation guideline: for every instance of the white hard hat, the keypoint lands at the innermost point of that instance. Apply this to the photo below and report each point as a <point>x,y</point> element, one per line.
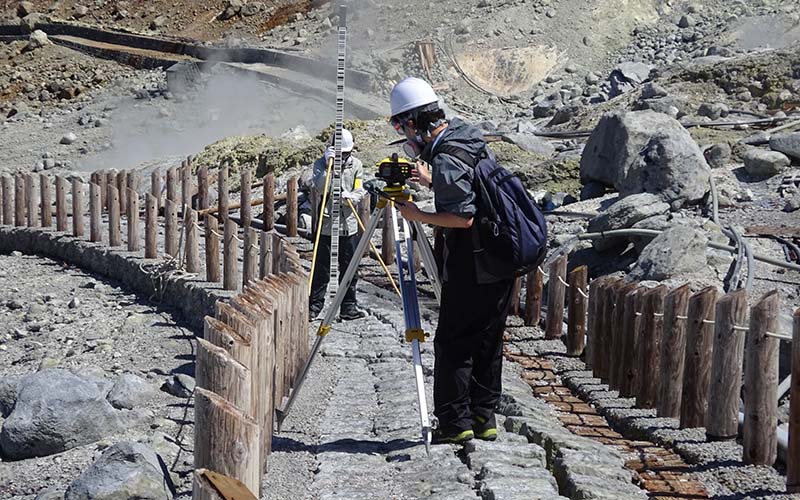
<point>411,93</point>
<point>347,141</point>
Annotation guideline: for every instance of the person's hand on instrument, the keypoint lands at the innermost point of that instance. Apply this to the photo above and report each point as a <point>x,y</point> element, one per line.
<point>421,174</point>
<point>329,152</point>
<point>410,211</point>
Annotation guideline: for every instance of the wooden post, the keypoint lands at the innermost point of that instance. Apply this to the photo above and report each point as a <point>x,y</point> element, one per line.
<point>726,367</point>
<point>363,212</point>
<point>759,442</point>
<point>155,188</point>
<point>591,320</point>
<point>650,346</point>
<point>191,241</point>
<point>576,314</point>
<point>697,364</point>
<point>202,188</point>
<point>133,220</point>
<point>265,255</point>
<point>673,352</point>
<point>291,207</point>
<point>32,198</point>
<point>19,200</point>
<point>212,249</point>
<point>226,439</point>
<point>251,252</point>
<point>186,187</point>
<point>534,285</point>
<point>222,193</point>
<point>8,201</point>
<point>46,201</point>
<point>617,339</point>
<point>111,180</point>
<point>172,185</point>
<point>132,181</point>
<point>513,309</point>
<point>122,189</point>
<point>387,242</point>
<point>793,452</point>
<point>102,181</point>
<point>171,228</point>
<point>114,233</point>
<point>151,227</point>
<point>556,294</point>
<point>631,328</point>
<point>61,204</point>
<point>77,208</point>
<point>230,275</point>
<point>221,373</point>
<point>95,210</point>
<point>269,201</point>
<point>604,326</point>
<point>245,200</point>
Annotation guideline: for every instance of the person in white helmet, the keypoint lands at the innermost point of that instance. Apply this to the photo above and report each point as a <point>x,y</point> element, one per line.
<point>472,315</point>
<point>352,179</point>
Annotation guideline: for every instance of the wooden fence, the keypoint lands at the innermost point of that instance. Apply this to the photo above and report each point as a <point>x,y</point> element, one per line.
<point>668,348</point>
<point>247,361</point>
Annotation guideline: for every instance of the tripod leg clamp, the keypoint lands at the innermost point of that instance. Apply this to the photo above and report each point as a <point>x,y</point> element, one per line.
<point>323,330</point>
<point>415,334</point>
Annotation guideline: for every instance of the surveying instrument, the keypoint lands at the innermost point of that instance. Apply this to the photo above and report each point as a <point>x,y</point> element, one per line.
<point>394,171</point>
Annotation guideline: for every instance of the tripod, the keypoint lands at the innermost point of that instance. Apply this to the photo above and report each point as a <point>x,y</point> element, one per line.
<point>414,334</point>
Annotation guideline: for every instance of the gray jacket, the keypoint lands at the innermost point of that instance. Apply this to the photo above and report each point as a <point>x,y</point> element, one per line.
<point>353,171</point>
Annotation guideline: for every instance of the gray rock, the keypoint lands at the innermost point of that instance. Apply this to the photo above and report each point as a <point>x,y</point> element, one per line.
<point>563,115</point>
<point>37,40</point>
<point>130,392</point>
<point>627,76</point>
<point>715,111</point>
<point>50,494</point>
<point>652,90</point>
<point>793,203</point>
<point>762,164</point>
<point>645,151</point>
<point>56,411</point>
<point>718,155</point>
<point>686,21</point>
<point>124,471</point>
<point>624,214</point>
<point>9,387</point>
<point>158,22</point>
<point>788,144</point>
<point>533,144</point>
<point>678,250</point>
<point>592,190</point>
<point>463,27</point>
<point>25,9</point>
<point>69,138</point>
<point>179,385</point>
<point>253,8</point>
<point>81,11</point>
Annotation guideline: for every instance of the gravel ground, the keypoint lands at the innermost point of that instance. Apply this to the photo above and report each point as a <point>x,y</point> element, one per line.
<point>59,316</point>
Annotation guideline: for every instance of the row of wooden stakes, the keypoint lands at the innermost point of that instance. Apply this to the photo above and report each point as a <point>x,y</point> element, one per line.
<point>690,356</point>
<point>247,361</point>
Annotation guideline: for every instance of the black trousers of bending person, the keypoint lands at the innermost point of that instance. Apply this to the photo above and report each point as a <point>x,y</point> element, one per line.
<point>468,346</point>
<point>322,269</point>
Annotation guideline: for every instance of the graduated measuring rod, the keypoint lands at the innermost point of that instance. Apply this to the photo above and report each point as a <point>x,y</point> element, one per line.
<point>407,275</point>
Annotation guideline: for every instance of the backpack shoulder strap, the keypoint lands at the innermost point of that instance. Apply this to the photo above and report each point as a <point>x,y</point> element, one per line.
<point>456,152</point>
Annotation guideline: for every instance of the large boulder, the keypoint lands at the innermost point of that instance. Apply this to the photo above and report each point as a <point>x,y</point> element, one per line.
<point>678,250</point>
<point>762,164</point>
<point>124,471</point>
<point>645,151</point>
<point>55,411</point>
<point>788,144</point>
<point>624,214</point>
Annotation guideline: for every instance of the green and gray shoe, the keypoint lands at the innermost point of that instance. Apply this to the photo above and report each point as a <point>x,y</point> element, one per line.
<point>485,429</point>
<point>462,437</point>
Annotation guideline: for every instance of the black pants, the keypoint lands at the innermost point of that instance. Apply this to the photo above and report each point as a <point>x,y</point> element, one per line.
<point>322,269</point>
<point>468,346</point>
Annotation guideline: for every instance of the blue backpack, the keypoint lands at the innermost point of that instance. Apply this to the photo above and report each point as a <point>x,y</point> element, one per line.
<point>509,231</point>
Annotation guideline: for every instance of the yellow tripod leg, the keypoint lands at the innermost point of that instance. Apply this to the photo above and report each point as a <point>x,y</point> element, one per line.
<point>319,224</point>
<point>372,246</point>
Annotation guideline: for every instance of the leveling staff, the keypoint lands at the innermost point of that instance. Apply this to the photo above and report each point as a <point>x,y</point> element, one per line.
<point>352,178</point>
<point>469,335</point>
